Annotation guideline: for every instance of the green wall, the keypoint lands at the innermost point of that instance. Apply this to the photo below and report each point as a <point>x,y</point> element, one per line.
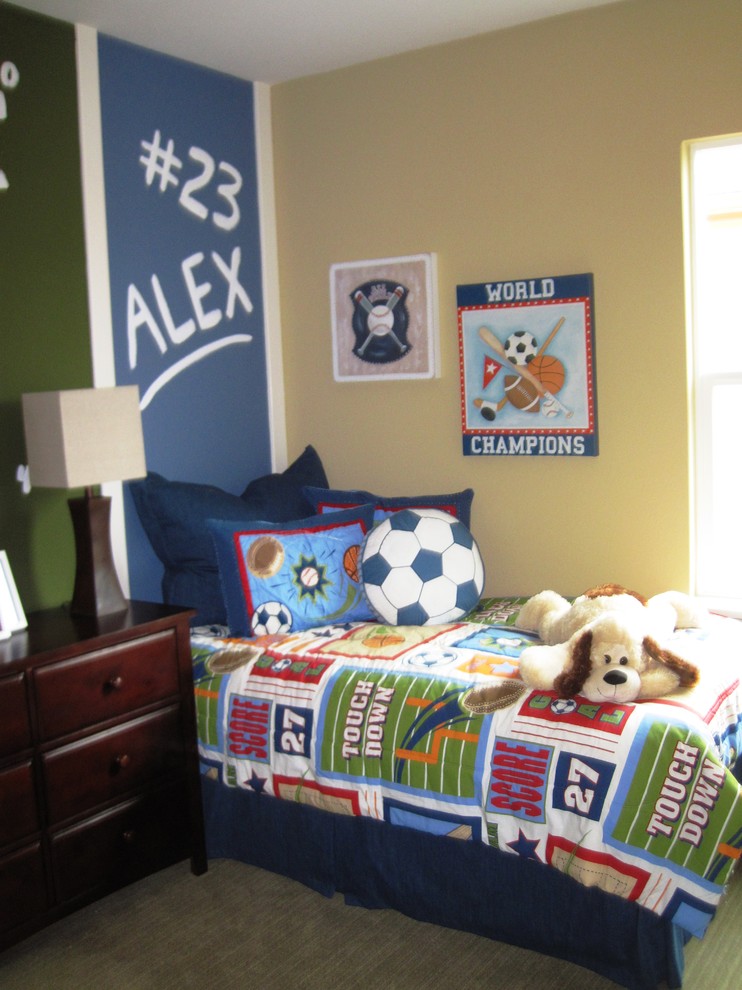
<point>44,327</point>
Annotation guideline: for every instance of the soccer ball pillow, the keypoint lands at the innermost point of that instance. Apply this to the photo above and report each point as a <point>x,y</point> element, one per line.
<point>421,567</point>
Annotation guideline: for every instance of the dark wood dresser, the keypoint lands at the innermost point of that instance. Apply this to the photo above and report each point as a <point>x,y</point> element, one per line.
<point>99,781</point>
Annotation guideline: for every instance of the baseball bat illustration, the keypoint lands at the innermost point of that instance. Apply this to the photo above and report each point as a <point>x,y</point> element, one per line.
<point>390,303</point>
<point>395,297</point>
<point>552,335</point>
<point>363,301</point>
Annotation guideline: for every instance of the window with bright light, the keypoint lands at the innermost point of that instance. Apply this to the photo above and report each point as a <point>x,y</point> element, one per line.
<point>713,172</point>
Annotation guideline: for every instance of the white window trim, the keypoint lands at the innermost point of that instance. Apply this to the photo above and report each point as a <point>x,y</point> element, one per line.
<point>700,392</point>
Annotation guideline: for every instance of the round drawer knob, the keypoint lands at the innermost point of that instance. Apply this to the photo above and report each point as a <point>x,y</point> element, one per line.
<point>115,683</point>
<point>129,836</point>
<point>121,762</point>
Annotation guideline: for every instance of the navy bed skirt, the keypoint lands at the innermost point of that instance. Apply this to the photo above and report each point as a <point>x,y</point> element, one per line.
<point>458,884</point>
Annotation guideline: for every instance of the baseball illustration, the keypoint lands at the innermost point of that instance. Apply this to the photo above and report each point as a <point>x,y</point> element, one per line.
<point>309,577</point>
<point>380,320</point>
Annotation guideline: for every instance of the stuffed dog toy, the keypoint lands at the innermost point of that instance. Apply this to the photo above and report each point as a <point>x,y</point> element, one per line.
<point>605,645</point>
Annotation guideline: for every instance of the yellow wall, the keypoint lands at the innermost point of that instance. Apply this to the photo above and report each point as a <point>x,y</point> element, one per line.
<point>548,149</point>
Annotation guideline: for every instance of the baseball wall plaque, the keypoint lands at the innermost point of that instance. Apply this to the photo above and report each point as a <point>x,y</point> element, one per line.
<point>384,319</point>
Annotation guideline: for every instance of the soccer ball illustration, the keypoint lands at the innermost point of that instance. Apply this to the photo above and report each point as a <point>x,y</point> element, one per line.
<point>563,706</point>
<point>432,658</point>
<point>521,347</point>
<point>271,618</point>
<point>421,567</point>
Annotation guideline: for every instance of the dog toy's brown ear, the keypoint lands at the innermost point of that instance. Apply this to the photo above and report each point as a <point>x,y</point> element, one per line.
<point>687,673</point>
<point>570,681</point>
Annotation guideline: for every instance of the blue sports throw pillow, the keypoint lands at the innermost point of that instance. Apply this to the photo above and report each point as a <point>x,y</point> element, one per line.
<point>457,504</point>
<point>292,576</point>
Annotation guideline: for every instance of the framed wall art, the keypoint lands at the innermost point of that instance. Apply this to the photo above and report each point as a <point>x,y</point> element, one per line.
<point>12,616</point>
<point>527,367</point>
<point>384,319</point>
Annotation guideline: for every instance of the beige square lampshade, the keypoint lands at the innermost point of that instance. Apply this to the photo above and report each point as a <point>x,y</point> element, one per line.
<point>83,437</point>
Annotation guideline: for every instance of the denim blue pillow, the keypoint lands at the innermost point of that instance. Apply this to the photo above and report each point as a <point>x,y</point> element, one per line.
<point>173,514</point>
<point>280,497</point>
<point>457,504</point>
<point>281,577</point>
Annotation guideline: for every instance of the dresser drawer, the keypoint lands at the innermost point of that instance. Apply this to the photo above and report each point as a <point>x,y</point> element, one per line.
<point>15,731</point>
<point>97,686</point>
<point>22,887</point>
<point>122,845</point>
<point>108,765</point>
<point>18,812</point>
<point>99,782</point>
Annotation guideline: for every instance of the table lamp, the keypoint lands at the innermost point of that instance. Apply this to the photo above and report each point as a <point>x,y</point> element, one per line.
<point>79,438</point>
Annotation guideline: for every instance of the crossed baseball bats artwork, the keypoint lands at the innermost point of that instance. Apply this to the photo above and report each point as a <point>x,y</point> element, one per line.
<point>378,322</point>
<point>550,405</point>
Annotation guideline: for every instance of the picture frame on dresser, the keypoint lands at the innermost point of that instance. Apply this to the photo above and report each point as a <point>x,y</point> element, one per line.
<point>12,616</point>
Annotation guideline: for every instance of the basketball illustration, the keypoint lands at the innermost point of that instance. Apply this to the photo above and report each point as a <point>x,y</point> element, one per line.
<point>549,370</point>
<point>350,562</point>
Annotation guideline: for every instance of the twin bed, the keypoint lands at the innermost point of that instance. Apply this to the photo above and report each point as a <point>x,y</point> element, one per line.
<point>374,760</point>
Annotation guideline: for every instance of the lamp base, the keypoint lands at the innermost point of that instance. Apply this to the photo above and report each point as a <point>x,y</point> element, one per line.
<point>97,589</point>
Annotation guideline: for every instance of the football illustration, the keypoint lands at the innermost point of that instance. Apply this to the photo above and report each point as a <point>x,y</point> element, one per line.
<point>271,618</point>
<point>421,567</point>
<point>521,347</point>
<point>265,557</point>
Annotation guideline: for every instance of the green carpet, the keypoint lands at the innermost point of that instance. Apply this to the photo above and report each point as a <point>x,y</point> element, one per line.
<point>240,928</point>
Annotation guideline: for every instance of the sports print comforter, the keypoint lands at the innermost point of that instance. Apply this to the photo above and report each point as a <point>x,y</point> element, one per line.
<point>430,728</point>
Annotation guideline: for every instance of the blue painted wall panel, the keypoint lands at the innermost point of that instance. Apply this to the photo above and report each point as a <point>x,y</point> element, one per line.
<point>185,269</point>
